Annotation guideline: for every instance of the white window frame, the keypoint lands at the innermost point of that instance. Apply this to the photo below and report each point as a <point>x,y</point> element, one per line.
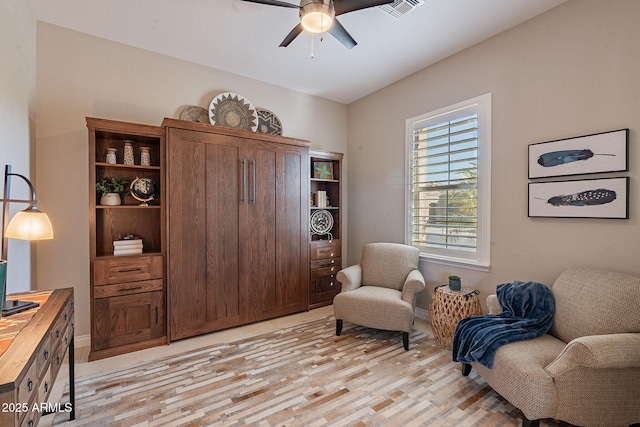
<point>481,258</point>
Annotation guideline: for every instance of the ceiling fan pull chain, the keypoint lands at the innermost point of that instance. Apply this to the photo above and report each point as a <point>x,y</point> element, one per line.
<point>312,37</point>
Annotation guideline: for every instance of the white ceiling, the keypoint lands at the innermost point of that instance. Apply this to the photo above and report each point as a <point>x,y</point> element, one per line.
<point>243,38</point>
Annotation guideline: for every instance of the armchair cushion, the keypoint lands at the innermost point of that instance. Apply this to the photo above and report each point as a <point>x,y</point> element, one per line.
<point>388,264</point>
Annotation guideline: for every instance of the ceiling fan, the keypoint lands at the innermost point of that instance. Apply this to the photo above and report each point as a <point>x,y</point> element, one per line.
<point>318,16</point>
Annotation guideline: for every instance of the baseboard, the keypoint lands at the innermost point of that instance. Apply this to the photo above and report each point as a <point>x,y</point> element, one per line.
<point>80,341</point>
<point>421,313</point>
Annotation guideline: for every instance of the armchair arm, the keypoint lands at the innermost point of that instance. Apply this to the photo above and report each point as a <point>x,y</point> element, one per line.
<point>350,278</point>
<point>613,351</point>
<point>494,305</point>
<point>412,285</point>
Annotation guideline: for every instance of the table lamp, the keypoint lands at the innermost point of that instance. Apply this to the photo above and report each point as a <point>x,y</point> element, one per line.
<point>29,224</point>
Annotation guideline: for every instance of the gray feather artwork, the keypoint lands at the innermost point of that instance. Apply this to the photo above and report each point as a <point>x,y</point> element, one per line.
<point>556,158</point>
<point>599,196</point>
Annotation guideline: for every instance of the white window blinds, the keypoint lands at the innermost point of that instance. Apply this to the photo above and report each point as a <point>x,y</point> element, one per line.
<point>449,182</point>
<point>444,171</point>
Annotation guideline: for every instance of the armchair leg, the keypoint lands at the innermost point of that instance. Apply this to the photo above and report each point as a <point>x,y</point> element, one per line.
<point>529,423</point>
<point>405,340</point>
<point>338,327</point>
<point>466,369</point>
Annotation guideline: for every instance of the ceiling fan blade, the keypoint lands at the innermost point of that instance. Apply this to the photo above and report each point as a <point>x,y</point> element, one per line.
<point>292,35</point>
<point>274,3</point>
<point>342,35</point>
<point>346,6</point>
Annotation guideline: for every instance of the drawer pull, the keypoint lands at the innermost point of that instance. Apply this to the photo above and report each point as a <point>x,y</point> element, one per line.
<point>324,251</point>
<point>134,288</point>
<point>30,385</point>
<point>57,333</point>
<point>30,423</point>
<point>58,360</point>
<point>46,387</point>
<point>129,270</point>
<point>331,284</point>
<point>46,355</point>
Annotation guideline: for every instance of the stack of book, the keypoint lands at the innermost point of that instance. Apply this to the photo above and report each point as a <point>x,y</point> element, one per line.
<point>320,199</point>
<point>127,246</point>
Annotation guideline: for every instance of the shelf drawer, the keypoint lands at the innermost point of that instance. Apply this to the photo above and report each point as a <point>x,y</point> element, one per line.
<point>127,269</point>
<point>120,289</point>
<point>323,249</point>
<point>329,262</point>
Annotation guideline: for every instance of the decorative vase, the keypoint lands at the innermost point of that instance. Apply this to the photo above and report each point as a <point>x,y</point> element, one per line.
<point>111,156</point>
<point>128,152</point>
<point>455,285</point>
<point>145,157</point>
<point>110,199</point>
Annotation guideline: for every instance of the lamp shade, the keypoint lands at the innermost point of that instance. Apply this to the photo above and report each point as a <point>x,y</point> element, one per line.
<point>317,15</point>
<point>30,224</point>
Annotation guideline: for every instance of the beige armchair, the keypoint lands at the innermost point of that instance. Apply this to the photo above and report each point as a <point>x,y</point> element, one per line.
<point>380,291</point>
<point>586,369</point>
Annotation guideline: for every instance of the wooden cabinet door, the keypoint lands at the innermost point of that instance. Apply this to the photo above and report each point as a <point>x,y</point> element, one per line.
<point>128,319</point>
<point>205,187</point>
<point>275,261</point>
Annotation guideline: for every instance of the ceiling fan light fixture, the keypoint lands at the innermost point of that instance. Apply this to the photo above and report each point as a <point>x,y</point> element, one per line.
<point>316,16</point>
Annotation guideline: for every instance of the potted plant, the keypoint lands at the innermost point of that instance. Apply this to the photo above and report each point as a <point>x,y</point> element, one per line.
<point>454,283</point>
<point>111,190</point>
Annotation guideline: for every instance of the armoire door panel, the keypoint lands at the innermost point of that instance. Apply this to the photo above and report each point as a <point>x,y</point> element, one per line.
<point>290,215</point>
<point>261,220</point>
<point>223,198</point>
<point>204,226</point>
<point>187,213</point>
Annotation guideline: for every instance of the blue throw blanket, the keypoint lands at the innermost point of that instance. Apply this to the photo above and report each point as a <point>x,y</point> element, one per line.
<point>528,313</point>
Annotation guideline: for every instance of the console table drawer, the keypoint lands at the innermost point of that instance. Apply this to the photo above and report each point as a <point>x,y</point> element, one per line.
<point>28,387</point>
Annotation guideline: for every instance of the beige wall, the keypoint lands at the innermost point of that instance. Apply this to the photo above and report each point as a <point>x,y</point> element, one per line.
<point>80,75</point>
<point>17,95</point>
<point>571,71</point>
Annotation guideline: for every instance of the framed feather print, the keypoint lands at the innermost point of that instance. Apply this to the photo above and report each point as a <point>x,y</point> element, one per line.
<point>601,152</point>
<point>587,198</point>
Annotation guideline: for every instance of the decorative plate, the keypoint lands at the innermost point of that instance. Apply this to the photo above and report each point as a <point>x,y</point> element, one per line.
<point>232,110</point>
<point>268,122</point>
<point>143,190</point>
<point>321,222</point>
<point>196,114</point>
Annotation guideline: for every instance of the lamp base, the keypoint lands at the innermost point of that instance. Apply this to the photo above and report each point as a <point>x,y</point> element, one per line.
<point>11,307</point>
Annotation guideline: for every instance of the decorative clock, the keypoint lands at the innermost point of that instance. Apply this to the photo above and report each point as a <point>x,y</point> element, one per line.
<point>321,222</point>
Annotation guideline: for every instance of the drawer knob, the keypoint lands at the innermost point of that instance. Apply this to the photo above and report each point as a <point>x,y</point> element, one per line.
<point>331,284</point>
<point>46,387</point>
<point>29,385</point>
<point>30,423</point>
<point>46,355</point>
<point>57,333</point>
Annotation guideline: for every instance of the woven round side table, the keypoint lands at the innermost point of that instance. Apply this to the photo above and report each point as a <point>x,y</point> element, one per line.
<point>447,308</point>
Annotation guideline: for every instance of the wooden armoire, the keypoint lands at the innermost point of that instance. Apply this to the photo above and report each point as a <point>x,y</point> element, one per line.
<point>238,233</point>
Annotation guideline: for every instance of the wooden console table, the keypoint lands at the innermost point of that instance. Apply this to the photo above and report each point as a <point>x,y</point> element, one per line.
<point>32,347</point>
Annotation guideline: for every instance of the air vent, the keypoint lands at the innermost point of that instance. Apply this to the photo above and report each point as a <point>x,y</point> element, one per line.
<point>399,8</point>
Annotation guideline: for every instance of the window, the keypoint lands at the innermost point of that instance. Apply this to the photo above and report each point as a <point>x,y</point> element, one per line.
<point>449,183</point>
